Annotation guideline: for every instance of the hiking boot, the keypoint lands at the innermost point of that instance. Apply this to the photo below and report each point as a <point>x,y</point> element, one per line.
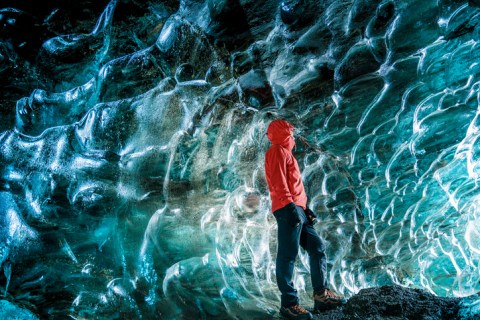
<point>326,300</point>
<point>296,312</point>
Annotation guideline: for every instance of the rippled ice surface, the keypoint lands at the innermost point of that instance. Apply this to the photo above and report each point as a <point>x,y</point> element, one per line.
<point>132,186</point>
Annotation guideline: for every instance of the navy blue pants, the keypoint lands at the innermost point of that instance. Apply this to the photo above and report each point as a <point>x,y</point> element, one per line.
<point>295,231</point>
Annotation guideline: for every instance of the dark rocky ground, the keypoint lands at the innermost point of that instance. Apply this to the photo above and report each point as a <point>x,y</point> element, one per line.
<point>398,303</point>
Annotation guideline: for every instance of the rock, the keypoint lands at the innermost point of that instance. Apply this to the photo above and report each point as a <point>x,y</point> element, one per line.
<point>397,303</point>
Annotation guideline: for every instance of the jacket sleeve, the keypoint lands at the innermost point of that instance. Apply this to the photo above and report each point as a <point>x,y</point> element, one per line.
<point>279,174</point>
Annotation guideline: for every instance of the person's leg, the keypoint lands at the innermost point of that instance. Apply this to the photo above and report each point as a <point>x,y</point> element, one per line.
<point>289,228</point>
<point>324,298</point>
<point>313,244</point>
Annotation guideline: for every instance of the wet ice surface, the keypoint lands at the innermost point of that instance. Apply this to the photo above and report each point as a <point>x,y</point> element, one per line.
<point>132,184</point>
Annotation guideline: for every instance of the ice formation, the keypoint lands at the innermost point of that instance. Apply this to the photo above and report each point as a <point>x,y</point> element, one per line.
<point>132,182</point>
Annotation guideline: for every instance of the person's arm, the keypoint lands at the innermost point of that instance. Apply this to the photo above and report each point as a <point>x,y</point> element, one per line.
<point>278,176</point>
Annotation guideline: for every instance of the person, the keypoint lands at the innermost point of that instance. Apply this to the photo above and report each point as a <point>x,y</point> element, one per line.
<point>289,203</point>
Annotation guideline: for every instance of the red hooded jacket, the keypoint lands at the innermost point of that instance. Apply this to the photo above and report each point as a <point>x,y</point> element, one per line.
<point>281,168</point>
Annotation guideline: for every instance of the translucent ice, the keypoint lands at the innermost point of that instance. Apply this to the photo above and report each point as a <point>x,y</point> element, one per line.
<point>132,181</point>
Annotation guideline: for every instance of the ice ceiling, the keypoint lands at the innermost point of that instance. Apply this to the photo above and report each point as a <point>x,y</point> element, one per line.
<point>132,183</point>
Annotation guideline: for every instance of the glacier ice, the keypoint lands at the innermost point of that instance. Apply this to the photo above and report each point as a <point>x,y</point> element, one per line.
<point>132,182</point>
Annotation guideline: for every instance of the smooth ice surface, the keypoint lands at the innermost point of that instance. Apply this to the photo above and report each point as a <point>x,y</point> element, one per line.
<point>132,183</point>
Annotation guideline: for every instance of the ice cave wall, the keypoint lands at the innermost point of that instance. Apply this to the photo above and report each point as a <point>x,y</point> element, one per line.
<point>133,140</point>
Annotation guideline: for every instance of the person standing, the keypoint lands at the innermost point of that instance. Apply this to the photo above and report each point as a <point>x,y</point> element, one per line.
<point>289,206</point>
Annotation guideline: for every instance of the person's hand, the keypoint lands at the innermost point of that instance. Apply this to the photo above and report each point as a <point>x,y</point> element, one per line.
<point>311,216</point>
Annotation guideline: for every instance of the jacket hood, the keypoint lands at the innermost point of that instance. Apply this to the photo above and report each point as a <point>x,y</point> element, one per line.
<point>278,132</point>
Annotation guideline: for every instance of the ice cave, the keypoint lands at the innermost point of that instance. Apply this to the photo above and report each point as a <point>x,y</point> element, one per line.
<point>133,139</point>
